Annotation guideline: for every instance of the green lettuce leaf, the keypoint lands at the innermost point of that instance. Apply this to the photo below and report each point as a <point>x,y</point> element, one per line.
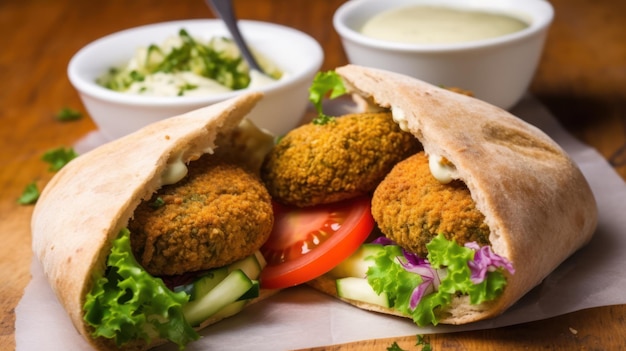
<point>388,275</point>
<point>127,303</point>
<point>325,83</point>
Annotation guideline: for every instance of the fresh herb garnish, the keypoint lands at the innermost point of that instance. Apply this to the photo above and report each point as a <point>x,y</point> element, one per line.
<point>59,157</point>
<point>218,59</point>
<point>157,203</point>
<point>30,195</point>
<point>67,114</point>
<point>136,76</point>
<point>395,347</point>
<point>424,342</point>
<point>421,341</point>
<point>322,119</point>
<point>187,86</point>
<point>325,84</point>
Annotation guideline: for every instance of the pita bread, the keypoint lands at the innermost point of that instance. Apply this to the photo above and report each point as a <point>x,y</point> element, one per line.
<point>91,199</point>
<point>536,201</point>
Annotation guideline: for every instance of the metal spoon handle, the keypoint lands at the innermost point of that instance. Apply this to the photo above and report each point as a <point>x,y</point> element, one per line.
<point>224,9</point>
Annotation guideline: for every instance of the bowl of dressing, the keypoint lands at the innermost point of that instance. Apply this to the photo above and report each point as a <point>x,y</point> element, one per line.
<point>134,77</point>
<point>488,47</point>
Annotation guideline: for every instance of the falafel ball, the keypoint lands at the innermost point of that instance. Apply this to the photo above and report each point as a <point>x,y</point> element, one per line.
<point>341,159</point>
<point>217,214</point>
<point>411,207</point>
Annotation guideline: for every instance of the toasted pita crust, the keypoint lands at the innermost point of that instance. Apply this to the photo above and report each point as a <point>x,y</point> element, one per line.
<point>536,201</point>
<point>91,199</point>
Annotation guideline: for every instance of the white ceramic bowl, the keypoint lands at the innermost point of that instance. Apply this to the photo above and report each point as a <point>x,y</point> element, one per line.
<point>498,70</point>
<point>116,114</point>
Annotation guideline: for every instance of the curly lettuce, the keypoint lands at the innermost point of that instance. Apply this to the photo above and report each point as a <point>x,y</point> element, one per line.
<point>128,304</point>
<point>394,272</point>
<point>325,84</point>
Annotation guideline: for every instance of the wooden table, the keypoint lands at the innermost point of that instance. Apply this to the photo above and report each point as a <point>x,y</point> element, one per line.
<point>582,79</point>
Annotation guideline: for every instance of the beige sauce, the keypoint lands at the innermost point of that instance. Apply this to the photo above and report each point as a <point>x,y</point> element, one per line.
<point>439,25</point>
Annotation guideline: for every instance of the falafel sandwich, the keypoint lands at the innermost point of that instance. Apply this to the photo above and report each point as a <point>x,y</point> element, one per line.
<point>466,223</point>
<point>152,236</point>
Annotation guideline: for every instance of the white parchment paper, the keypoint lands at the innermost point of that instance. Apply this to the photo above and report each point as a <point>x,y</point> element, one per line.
<point>301,317</point>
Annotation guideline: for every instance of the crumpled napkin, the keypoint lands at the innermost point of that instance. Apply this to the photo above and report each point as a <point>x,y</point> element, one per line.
<point>301,317</point>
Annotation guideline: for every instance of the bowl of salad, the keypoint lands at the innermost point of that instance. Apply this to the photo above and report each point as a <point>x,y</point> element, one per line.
<point>134,77</point>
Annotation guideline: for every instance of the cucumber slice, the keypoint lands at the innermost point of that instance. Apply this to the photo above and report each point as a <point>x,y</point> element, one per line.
<point>230,310</point>
<point>249,265</point>
<point>357,264</point>
<point>223,294</point>
<point>358,289</point>
<point>207,282</point>
<point>252,293</point>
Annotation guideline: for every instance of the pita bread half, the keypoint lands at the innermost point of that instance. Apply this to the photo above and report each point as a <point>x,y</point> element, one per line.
<point>91,199</point>
<point>536,202</point>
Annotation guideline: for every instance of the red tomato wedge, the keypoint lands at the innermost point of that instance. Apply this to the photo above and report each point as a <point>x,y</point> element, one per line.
<point>308,242</point>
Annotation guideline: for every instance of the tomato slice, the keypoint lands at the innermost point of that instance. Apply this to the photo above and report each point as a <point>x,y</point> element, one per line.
<point>308,242</point>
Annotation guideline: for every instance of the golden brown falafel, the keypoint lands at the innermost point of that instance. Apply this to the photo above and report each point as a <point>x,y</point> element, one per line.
<point>346,157</point>
<point>218,214</point>
<point>411,207</point>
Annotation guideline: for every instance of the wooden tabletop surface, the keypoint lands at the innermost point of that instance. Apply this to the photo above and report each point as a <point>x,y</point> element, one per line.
<point>581,79</point>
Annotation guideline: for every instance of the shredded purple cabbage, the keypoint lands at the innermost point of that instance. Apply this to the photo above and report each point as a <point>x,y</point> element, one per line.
<point>430,277</point>
<point>383,240</point>
<point>417,265</point>
<point>485,260</point>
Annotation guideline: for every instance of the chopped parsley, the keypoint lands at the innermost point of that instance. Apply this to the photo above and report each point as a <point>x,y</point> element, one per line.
<point>186,87</point>
<point>67,114</point>
<point>421,341</point>
<point>395,347</point>
<point>59,157</point>
<point>322,119</point>
<point>217,59</point>
<point>424,342</point>
<point>157,203</point>
<point>30,195</point>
